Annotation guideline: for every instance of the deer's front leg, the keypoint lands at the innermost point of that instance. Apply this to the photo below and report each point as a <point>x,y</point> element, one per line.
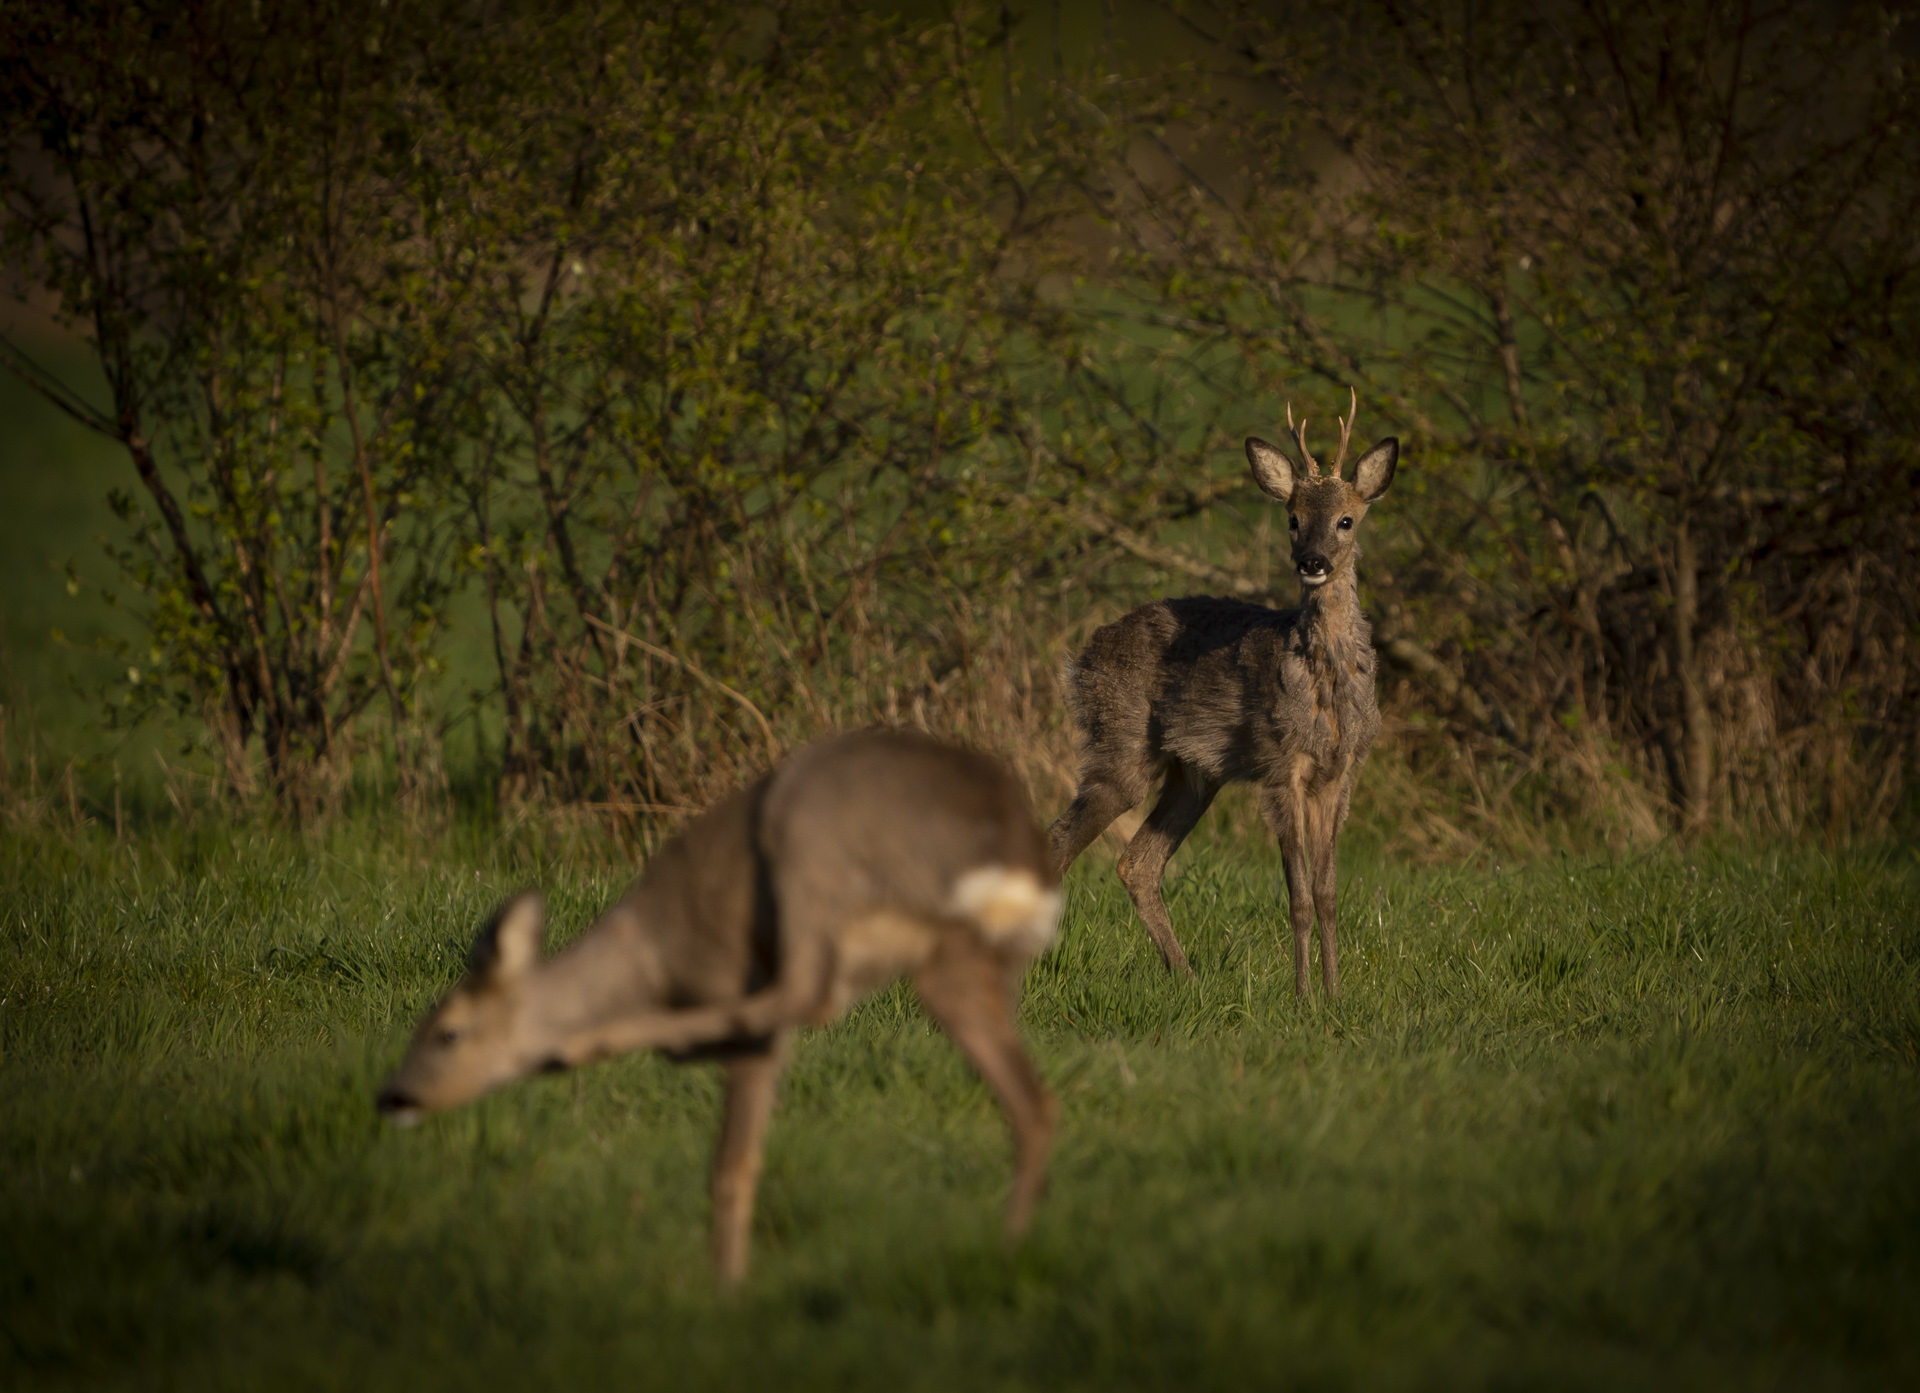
<point>751,1083</point>
<point>1285,812</point>
<point>1325,810</point>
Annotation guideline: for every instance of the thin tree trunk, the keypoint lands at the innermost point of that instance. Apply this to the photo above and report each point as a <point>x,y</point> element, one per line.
<point>557,522</point>
<point>1696,732</point>
<point>351,409</point>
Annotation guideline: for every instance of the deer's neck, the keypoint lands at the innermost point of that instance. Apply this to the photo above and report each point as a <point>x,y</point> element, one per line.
<point>610,973</point>
<point>1335,630</point>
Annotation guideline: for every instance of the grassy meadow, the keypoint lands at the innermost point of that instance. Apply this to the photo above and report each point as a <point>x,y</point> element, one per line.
<point>1580,1124</point>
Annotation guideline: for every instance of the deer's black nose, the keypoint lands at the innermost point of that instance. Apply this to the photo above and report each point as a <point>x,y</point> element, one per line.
<point>1312,565</point>
<point>392,1100</point>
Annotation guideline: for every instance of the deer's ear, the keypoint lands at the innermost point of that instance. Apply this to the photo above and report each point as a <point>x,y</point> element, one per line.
<point>1272,470</point>
<point>510,945</point>
<point>1375,470</point>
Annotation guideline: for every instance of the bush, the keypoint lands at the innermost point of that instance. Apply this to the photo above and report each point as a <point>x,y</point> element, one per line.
<point>745,379</point>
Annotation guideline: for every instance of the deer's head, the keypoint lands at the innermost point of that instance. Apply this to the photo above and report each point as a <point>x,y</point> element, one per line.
<point>481,1035</point>
<point>1323,511</point>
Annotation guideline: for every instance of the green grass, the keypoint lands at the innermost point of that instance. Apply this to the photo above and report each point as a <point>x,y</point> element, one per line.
<point>1587,1125</point>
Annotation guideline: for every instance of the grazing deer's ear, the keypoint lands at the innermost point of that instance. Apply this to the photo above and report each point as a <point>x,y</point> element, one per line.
<point>1272,470</point>
<point>1375,470</point>
<point>510,945</point>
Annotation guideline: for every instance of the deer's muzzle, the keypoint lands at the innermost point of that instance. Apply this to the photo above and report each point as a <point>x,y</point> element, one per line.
<point>400,1108</point>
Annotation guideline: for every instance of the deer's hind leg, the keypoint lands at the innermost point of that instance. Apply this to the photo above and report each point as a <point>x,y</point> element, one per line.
<point>801,995</point>
<point>1184,799</point>
<point>751,1084</point>
<point>1100,798</point>
<point>970,990</point>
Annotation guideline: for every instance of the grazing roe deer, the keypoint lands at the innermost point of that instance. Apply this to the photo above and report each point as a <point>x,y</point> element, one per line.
<point>858,859</point>
<point>1215,691</point>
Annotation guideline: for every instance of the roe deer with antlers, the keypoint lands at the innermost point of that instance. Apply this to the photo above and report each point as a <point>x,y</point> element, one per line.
<point>857,860</point>
<point>1214,691</point>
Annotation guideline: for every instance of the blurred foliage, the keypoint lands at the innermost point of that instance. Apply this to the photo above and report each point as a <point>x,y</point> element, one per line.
<point>1638,289</point>
<point>758,373</point>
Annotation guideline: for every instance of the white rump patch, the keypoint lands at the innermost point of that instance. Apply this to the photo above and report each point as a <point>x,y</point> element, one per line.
<point>1011,907</point>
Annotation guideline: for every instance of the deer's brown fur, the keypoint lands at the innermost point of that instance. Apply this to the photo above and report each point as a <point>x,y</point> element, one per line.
<point>1206,692</point>
<point>860,859</point>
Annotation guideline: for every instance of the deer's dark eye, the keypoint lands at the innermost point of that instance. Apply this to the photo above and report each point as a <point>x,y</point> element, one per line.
<point>1346,524</point>
<point>448,1035</point>
<point>1293,524</point>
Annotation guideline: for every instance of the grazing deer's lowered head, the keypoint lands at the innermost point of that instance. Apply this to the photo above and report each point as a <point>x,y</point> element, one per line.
<point>1203,692</point>
<point>487,1031</point>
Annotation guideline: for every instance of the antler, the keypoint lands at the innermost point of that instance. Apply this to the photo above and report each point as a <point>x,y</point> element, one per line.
<point>1346,430</point>
<point>1300,439</point>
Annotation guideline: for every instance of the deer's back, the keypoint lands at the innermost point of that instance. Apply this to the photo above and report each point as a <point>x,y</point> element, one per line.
<point>893,817</point>
<point>873,828</point>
